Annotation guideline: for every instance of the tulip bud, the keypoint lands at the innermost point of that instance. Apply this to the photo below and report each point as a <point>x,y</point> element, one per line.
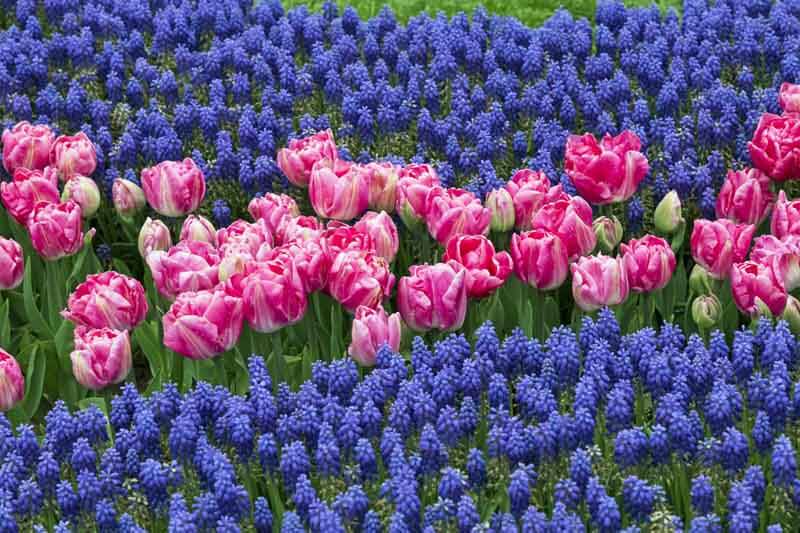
<point>12,383</point>
<point>12,264</point>
<point>706,311</point>
<point>101,357</point>
<point>792,314</point>
<point>608,231</point>
<point>700,281</point>
<point>667,215</point>
<point>154,235</point>
<point>128,197</point>
<point>198,228</point>
<point>501,207</point>
<point>84,192</point>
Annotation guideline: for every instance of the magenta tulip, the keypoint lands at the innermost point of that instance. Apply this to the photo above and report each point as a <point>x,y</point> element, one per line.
<point>775,148</point>
<point>433,296</point>
<point>254,236</point>
<point>174,188</point>
<point>383,232</point>
<point>454,212</point>
<point>599,281</point>
<point>107,300</point>
<point>757,289</point>
<point>12,382</point>
<point>486,269</point>
<point>717,244</point>
<point>28,188</point>
<point>299,229</point>
<point>188,266</point>
<point>540,259</point>
<point>26,146</point>
<point>273,295</point>
<point>530,190</point>
<point>297,160</point>
<point>338,190</point>
<point>274,209</point>
<point>201,325</point>
<point>745,197</point>
<point>783,256</point>
<point>101,357</point>
<point>649,263</point>
<point>414,183</point>
<point>12,264</point>
<point>570,220</point>
<point>372,329</point>
<point>73,155</point>
<point>56,229</point>
<point>359,277</point>
<point>789,97</point>
<point>785,217</point>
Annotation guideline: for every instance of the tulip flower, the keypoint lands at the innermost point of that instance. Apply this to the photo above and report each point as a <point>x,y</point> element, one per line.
<point>312,261</point>
<point>789,97</point>
<point>101,357</point>
<point>273,295</point>
<point>128,197</point>
<point>706,311</point>
<point>372,329</point>
<point>783,256</point>
<point>274,209</point>
<point>649,263</point>
<point>530,190</point>
<point>382,179</point>
<point>570,220</point>
<point>501,207</point>
<point>107,300</point>
<point>486,270</point>
<point>199,228</point>
<point>453,212</point>
<point>26,190</point>
<point>414,183</point>
<point>201,325</point>
<point>359,277</point>
<point>153,236</point>
<point>608,171</point>
<point>383,232</point>
<point>667,215</point>
<point>73,156</point>
<point>297,159</point>
<point>775,148</point>
<point>84,192</point>
<point>785,217</point>
<point>255,236</point>
<point>540,259</point>
<point>341,237</point>
<point>433,296</point>
<point>12,382</point>
<point>56,229</point>
<point>717,244</point>
<point>608,232</point>
<point>26,146</point>
<point>338,190</point>
<point>599,281</point>
<point>174,188</point>
<point>742,236</point>
<point>745,197</point>
<point>299,229</point>
<point>757,290</point>
<point>12,264</point>
<point>187,267</point>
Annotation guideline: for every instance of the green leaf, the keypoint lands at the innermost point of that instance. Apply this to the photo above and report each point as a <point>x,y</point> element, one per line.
<point>5,326</point>
<point>64,338</point>
<point>35,317</point>
<point>34,382</point>
<point>120,266</point>
<point>78,273</point>
<point>147,337</point>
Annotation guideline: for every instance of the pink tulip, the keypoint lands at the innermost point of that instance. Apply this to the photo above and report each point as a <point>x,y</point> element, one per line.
<point>28,188</point>
<point>599,281</point>
<point>433,296</point>
<point>742,235</point>
<point>200,325</point>
<point>338,190</point>
<point>608,171</point>
<point>26,146</point>
<point>297,160</point>
<point>273,295</point>
<point>73,156</point>
<point>299,229</point>
<point>188,266</point>
<point>255,236</point>
<point>234,260</point>
<point>274,209</point>
<point>341,237</point>
<point>649,263</point>
<point>540,259</point>
<point>486,269</point>
<point>128,197</point>
<point>312,261</point>
<point>454,212</point>
<point>101,357</point>
<point>775,148</point>
<point>107,300</point>
<point>789,97</point>
<point>783,256</point>
<point>717,244</point>
<point>84,192</point>
<point>745,197</point>
<point>530,190</point>
<point>785,217</point>
<point>12,382</point>
<point>571,221</point>
<point>12,264</point>
<point>501,207</point>
<point>153,236</point>
<point>372,329</point>
<point>56,229</point>
<point>382,179</point>
<point>198,228</point>
<point>381,228</point>
<point>174,188</point>
<point>414,183</point>
<point>757,289</point>
<point>359,277</point>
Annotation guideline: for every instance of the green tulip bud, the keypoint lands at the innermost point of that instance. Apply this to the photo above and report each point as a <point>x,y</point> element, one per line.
<point>608,231</point>
<point>501,206</point>
<point>706,311</point>
<point>667,216</point>
<point>791,314</point>
<point>700,281</point>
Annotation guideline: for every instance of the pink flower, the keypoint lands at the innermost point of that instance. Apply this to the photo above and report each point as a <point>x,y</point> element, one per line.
<point>598,281</point>
<point>608,171</point>
<point>756,289</point>
<point>26,146</point>
<point>783,256</point>
<point>274,209</point>
<point>775,148</point>
<point>29,188</point>
<point>198,228</point>
<point>742,235</point>
<point>540,259</point>
<point>571,221</point>
<point>200,325</point>
<point>107,300</point>
<point>153,236</point>
<point>341,237</point>
<point>530,190</point>
<point>297,229</point>
<point>745,197</point>
<point>785,217</point>
<point>174,188</point>
<point>338,190</point>
<point>501,207</point>
<point>128,197</point>
<point>413,185</point>
<point>56,229</point>
<point>297,160</point>
<point>188,266</point>
<point>84,192</point>
<point>12,383</point>
<point>717,244</point>
<point>382,179</point>
<point>73,155</point>
<point>312,261</point>
<point>373,328</point>
<point>273,295</point>
<point>433,296</point>
<point>789,97</point>
<point>649,263</point>
<point>12,264</point>
<point>101,357</point>
<point>254,236</point>
<point>383,232</point>
<point>486,269</point>
<point>454,212</point>
<point>359,277</point>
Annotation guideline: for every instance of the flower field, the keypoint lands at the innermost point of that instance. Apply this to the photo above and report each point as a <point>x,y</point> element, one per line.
<point>272,268</point>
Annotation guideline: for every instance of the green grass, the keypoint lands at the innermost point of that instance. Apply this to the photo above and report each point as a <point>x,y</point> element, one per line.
<point>531,12</point>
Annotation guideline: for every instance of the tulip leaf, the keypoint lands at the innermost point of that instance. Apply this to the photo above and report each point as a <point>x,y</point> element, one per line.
<point>78,273</point>
<point>35,317</point>
<point>34,382</point>
<point>64,338</point>
<point>5,326</point>
<point>144,337</point>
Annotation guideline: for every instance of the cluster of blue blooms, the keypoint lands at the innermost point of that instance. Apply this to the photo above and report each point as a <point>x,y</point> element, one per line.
<point>589,432</point>
<point>228,82</point>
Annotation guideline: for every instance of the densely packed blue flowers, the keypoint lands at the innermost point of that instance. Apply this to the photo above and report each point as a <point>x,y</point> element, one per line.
<point>588,432</point>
